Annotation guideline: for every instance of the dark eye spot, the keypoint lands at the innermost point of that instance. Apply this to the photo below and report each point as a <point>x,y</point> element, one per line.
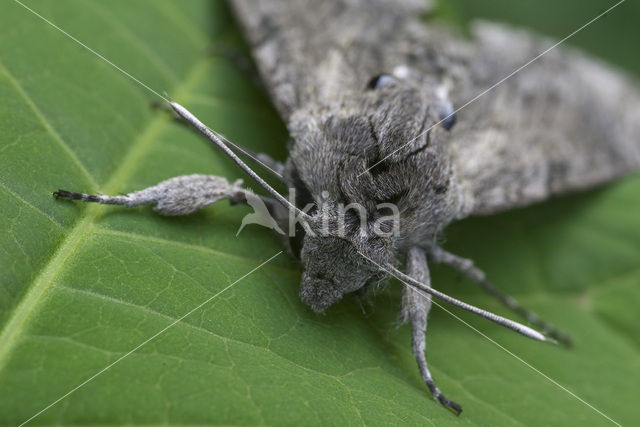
<point>381,81</point>
<point>441,189</point>
<point>394,199</point>
<point>376,165</point>
<point>447,115</point>
<point>378,168</point>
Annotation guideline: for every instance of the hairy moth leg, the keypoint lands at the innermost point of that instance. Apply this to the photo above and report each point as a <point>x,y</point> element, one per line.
<point>415,308</point>
<point>182,195</point>
<point>466,266</point>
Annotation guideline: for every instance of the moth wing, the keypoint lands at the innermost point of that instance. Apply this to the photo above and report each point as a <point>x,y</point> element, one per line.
<point>310,51</point>
<point>562,123</point>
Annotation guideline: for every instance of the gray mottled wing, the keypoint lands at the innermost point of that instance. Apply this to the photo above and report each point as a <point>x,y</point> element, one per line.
<point>309,50</point>
<point>563,123</point>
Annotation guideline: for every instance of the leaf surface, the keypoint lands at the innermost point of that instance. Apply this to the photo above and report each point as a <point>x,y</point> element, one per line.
<point>82,285</point>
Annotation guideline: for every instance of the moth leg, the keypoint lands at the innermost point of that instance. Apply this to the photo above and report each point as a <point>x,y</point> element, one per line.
<point>180,195</point>
<point>476,275</point>
<point>415,307</point>
<point>274,166</point>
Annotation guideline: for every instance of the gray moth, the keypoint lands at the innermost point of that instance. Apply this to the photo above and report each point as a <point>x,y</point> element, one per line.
<point>369,91</point>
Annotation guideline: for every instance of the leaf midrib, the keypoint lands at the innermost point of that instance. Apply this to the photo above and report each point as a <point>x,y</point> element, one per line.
<point>19,317</point>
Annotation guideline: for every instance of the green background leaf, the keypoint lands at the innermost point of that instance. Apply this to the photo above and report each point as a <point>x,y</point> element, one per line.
<point>81,285</point>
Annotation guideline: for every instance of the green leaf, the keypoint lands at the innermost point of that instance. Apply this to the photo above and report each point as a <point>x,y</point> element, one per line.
<point>82,285</point>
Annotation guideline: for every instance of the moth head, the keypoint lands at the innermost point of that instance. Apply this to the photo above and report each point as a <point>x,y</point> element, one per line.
<point>375,167</point>
<point>337,240</point>
<point>335,266</point>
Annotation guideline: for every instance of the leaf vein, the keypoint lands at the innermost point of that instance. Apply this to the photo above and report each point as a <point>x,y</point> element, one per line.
<point>47,125</point>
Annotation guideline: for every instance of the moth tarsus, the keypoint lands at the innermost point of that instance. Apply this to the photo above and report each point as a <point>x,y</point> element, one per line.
<point>64,194</point>
<point>368,94</point>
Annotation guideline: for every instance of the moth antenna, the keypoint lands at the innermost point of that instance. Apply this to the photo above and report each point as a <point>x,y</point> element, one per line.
<point>510,324</point>
<point>218,142</point>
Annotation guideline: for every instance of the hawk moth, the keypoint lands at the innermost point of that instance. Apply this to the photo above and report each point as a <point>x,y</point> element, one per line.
<point>367,90</point>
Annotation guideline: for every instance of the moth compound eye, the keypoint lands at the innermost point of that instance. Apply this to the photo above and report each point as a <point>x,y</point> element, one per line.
<point>381,81</point>
<point>447,115</point>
